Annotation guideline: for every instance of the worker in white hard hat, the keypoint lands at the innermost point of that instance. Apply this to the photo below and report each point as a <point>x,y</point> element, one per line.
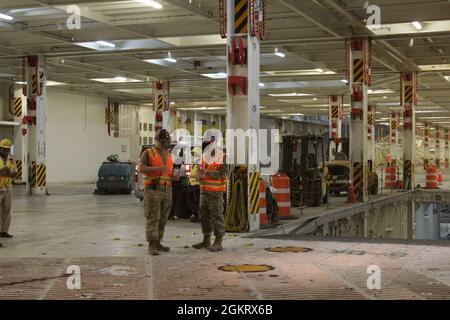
<point>7,173</point>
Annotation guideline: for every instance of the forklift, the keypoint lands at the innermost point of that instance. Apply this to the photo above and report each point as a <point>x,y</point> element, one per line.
<point>300,161</point>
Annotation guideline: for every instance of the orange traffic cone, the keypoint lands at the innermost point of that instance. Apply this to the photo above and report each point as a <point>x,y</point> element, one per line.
<point>351,196</point>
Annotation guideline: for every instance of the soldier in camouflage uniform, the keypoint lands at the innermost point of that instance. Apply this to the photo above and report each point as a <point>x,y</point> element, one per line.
<point>157,167</point>
<point>212,186</point>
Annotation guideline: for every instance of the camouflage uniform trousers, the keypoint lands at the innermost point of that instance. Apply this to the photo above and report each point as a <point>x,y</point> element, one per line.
<point>211,213</point>
<point>5,210</point>
<point>157,205</point>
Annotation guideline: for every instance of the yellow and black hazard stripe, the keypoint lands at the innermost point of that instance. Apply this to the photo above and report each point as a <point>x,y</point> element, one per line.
<point>17,106</point>
<point>358,176</point>
<point>112,117</point>
<point>41,175</point>
<point>19,170</point>
<point>394,124</point>
<point>34,84</point>
<point>160,102</point>
<point>358,70</point>
<point>408,94</point>
<point>370,119</point>
<point>107,115</point>
<point>335,112</point>
<point>253,192</point>
<point>407,168</point>
<point>33,174</point>
<point>427,132</point>
<point>240,16</point>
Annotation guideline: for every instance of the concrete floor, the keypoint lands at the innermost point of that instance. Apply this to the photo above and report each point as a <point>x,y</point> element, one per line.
<point>104,236</point>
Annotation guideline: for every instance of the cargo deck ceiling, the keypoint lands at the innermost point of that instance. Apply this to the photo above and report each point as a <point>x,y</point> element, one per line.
<point>310,33</point>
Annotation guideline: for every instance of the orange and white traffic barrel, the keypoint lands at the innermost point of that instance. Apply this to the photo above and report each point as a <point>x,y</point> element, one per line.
<point>282,194</point>
<point>431,178</point>
<point>389,177</point>
<point>262,204</point>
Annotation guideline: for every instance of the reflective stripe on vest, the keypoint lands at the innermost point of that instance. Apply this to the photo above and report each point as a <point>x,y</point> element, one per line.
<point>209,183</point>
<point>155,160</point>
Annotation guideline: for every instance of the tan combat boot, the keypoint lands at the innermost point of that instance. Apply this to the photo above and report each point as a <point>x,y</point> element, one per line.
<point>217,246</point>
<point>162,248</point>
<point>153,248</point>
<point>204,244</point>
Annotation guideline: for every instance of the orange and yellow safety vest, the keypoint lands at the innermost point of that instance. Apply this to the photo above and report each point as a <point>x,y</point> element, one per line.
<point>208,183</point>
<point>6,181</point>
<point>155,160</point>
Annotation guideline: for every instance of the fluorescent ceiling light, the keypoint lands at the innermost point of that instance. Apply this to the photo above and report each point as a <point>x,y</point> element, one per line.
<point>294,94</point>
<point>261,84</point>
<point>106,44</point>
<point>405,27</point>
<point>344,81</point>
<point>417,25</point>
<point>152,3</point>
<point>169,58</point>
<point>305,72</point>
<point>54,83</point>
<point>381,91</point>
<point>48,83</point>
<point>202,108</point>
<point>431,111</point>
<point>434,67</point>
<point>219,75</point>
<point>116,80</point>
<point>6,17</point>
<point>279,53</point>
<point>430,118</point>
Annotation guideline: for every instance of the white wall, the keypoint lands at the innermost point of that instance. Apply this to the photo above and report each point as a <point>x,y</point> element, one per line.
<point>77,137</point>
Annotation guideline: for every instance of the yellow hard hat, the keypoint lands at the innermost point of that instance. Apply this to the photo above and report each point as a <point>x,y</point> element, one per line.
<point>197,150</point>
<point>6,143</point>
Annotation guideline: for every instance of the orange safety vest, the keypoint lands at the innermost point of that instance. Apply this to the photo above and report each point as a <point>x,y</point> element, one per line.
<point>155,160</point>
<point>210,184</point>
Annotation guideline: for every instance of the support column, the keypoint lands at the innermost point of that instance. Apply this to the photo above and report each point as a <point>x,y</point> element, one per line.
<point>393,146</point>
<point>34,123</point>
<point>336,114</point>
<point>244,29</point>
<point>161,105</point>
<point>408,89</point>
<point>19,112</point>
<point>437,150</point>
<point>426,145</point>
<point>358,56</point>
<point>370,137</point>
<point>446,153</point>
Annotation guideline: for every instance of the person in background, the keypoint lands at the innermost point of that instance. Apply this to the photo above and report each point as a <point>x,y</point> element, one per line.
<point>157,167</point>
<point>213,178</point>
<point>193,199</point>
<point>7,173</point>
